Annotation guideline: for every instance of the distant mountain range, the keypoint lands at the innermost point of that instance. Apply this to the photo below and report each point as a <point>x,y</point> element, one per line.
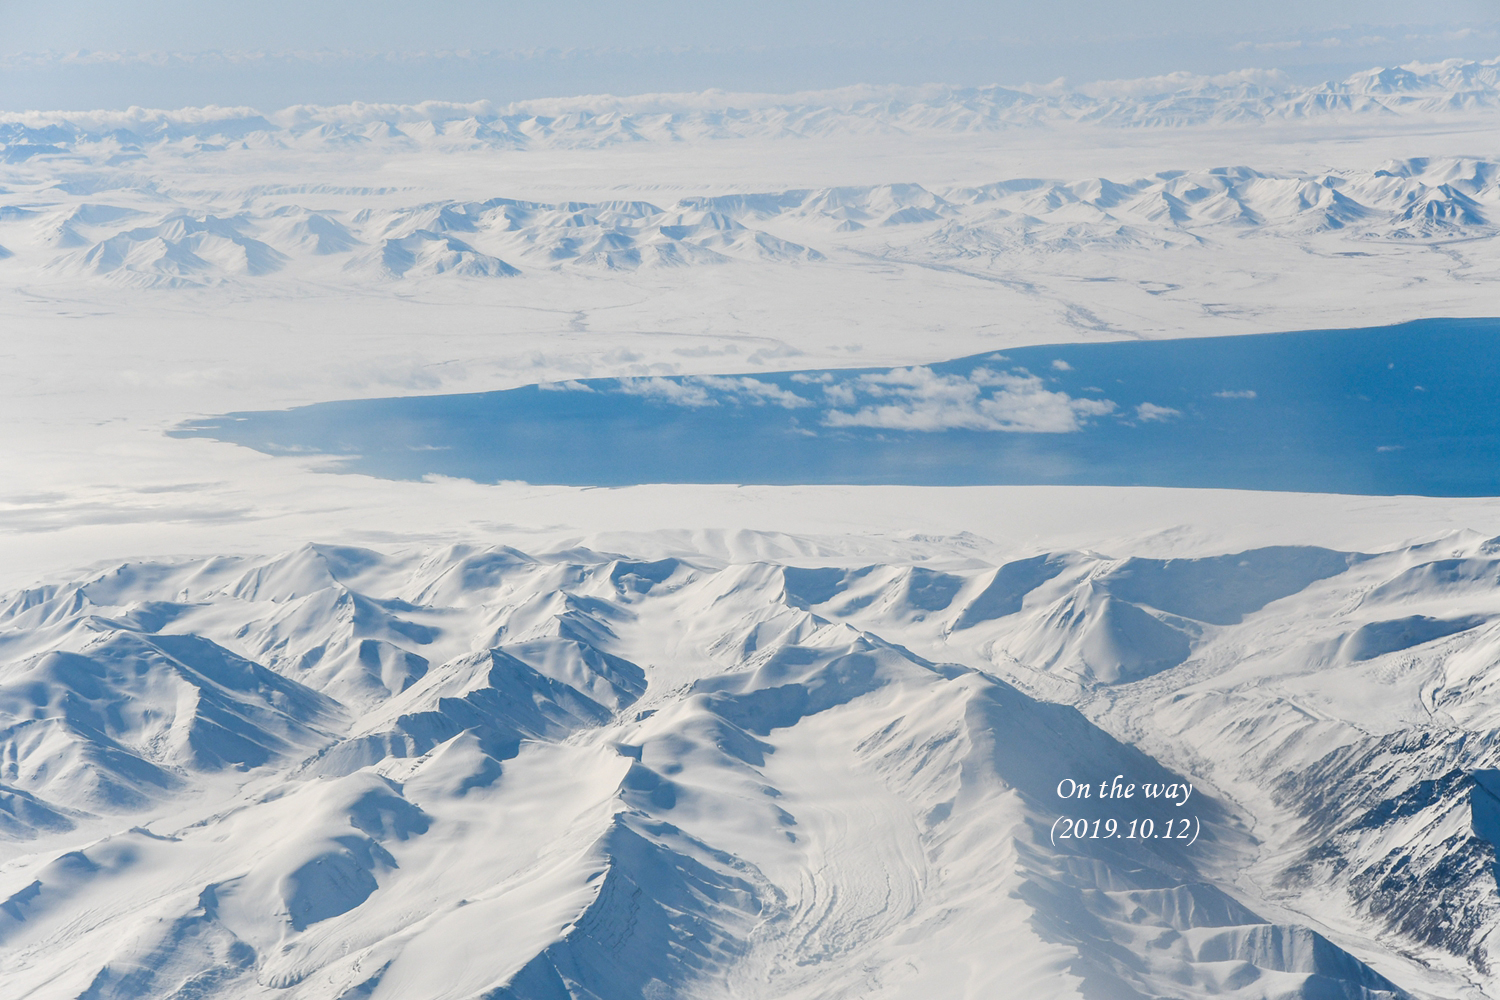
<point>118,232</point>
<point>1452,87</point>
<point>86,195</point>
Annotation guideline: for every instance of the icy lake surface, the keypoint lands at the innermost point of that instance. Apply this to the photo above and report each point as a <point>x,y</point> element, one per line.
<point>1407,409</point>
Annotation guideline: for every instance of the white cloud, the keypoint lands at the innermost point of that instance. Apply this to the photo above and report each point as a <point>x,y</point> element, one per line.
<point>1061,366</point>
<point>751,391</point>
<point>1151,413</point>
<point>919,399</point>
<point>667,390</point>
<point>1236,394</point>
<point>710,390</point>
<point>840,394</point>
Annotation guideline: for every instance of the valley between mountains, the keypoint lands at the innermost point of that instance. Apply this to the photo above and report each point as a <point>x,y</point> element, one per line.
<point>476,772</point>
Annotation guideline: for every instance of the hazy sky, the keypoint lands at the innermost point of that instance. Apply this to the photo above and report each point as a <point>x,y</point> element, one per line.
<point>275,52</point>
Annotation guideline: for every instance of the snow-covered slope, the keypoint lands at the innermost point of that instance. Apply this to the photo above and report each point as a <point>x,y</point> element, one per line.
<point>117,235</point>
<point>481,772</point>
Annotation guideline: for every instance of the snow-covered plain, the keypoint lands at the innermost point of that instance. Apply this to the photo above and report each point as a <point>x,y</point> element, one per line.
<point>463,740</point>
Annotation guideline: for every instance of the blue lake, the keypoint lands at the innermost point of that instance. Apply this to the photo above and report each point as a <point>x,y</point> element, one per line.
<point>1408,409</point>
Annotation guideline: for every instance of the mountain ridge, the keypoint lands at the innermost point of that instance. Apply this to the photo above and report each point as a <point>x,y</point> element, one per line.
<point>1177,99</point>
<point>163,241</point>
<point>710,735</point>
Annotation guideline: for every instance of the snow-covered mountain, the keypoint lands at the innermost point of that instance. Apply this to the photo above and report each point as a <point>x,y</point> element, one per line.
<point>115,234</point>
<point>1455,86</point>
<point>474,771</point>
<point>1167,207</point>
<point>654,765</point>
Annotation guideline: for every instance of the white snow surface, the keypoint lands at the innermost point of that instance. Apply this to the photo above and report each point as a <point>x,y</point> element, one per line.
<point>205,260</point>
<point>518,741</point>
<point>476,771</point>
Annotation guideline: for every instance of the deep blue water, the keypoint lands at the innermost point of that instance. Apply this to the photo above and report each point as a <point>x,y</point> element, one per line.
<point>1408,409</point>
